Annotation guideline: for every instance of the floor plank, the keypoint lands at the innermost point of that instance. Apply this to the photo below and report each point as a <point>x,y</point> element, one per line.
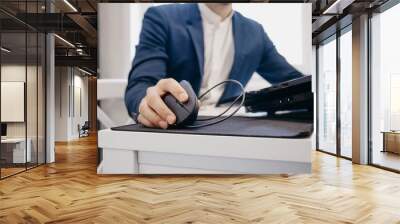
<point>70,191</point>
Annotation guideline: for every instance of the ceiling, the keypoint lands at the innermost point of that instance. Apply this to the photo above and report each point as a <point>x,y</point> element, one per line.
<point>74,22</point>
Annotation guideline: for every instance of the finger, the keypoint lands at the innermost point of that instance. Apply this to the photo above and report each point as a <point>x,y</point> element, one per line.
<point>155,102</point>
<point>144,121</point>
<point>173,87</point>
<point>150,115</point>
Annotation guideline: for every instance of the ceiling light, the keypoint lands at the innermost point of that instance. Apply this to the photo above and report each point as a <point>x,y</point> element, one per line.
<point>79,51</point>
<point>5,50</point>
<point>84,71</point>
<point>70,5</point>
<point>65,41</point>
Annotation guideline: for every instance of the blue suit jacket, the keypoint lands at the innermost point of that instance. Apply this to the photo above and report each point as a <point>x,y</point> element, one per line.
<point>171,46</point>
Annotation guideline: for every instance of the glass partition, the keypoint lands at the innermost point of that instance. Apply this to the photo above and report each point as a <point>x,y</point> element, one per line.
<point>327,96</point>
<point>346,93</point>
<point>31,99</point>
<point>41,111</point>
<point>13,94</point>
<point>385,89</point>
<point>23,89</point>
<point>35,96</point>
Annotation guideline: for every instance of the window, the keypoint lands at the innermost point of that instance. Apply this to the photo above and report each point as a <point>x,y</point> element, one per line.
<point>334,106</point>
<point>346,93</point>
<point>385,89</point>
<point>327,96</point>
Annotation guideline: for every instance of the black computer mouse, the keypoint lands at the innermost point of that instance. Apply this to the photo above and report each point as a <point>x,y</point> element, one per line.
<point>186,113</point>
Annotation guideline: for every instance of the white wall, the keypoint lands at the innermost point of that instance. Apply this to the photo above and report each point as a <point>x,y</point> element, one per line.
<point>116,50</point>
<point>68,81</point>
<point>290,34</point>
<point>61,103</point>
<point>17,73</point>
<point>79,117</point>
<point>14,72</point>
<point>288,26</point>
<point>34,125</point>
<point>82,82</point>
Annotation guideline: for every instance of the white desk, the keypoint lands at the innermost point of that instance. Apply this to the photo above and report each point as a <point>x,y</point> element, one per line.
<point>19,153</point>
<point>165,153</point>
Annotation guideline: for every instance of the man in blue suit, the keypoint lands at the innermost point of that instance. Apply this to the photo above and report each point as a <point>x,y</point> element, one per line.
<point>204,44</point>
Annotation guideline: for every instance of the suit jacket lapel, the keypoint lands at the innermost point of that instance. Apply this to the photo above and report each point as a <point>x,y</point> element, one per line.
<point>238,40</point>
<point>195,29</point>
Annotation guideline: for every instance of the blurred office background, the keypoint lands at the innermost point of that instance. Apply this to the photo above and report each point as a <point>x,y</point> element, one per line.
<point>358,82</point>
<point>48,76</point>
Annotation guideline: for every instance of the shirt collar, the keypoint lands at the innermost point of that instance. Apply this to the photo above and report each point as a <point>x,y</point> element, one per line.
<point>211,17</point>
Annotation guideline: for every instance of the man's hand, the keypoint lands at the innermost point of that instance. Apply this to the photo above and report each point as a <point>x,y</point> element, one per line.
<point>153,112</point>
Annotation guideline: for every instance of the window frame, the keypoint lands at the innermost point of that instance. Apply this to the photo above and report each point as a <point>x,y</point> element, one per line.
<point>378,10</point>
<point>334,37</point>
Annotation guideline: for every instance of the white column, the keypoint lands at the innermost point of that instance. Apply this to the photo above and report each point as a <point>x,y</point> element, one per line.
<point>50,99</point>
<point>314,90</point>
<point>63,104</point>
<point>360,90</point>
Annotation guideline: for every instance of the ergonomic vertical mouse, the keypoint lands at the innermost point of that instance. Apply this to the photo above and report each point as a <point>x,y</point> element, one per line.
<point>186,113</point>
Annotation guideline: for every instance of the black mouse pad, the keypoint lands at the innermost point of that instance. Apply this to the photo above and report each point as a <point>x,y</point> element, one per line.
<point>238,126</point>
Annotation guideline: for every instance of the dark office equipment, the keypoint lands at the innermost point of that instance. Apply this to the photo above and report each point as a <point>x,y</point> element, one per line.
<point>84,130</point>
<point>186,113</point>
<point>238,126</point>
<point>290,99</point>
<point>3,129</point>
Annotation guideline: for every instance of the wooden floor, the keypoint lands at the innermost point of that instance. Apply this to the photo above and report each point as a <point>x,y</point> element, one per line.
<point>386,159</point>
<point>70,191</point>
<point>5,172</point>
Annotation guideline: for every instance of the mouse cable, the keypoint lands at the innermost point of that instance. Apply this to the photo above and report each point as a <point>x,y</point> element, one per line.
<point>242,95</point>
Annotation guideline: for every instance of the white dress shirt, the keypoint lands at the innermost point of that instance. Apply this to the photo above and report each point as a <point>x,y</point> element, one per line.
<point>218,52</point>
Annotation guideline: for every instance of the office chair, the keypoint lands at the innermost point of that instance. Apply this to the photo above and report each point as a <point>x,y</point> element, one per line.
<point>84,130</point>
